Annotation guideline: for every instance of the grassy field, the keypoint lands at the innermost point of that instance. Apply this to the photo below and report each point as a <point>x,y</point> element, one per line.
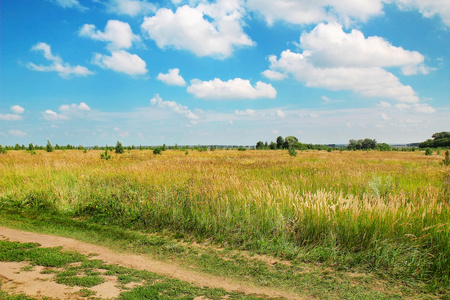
<point>383,213</point>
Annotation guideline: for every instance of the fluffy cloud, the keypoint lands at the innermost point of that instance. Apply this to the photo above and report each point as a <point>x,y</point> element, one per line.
<point>51,115</point>
<point>70,4</point>
<point>118,34</point>
<point>16,132</point>
<point>428,8</point>
<point>310,12</point>
<point>369,82</point>
<point>66,112</point>
<point>121,61</point>
<point>58,65</point>
<point>173,106</point>
<point>130,7</point>
<point>247,112</point>
<point>17,109</point>
<point>327,45</point>
<point>172,78</point>
<point>74,107</point>
<point>206,30</point>
<point>336,60</point>
<point>232,89</point>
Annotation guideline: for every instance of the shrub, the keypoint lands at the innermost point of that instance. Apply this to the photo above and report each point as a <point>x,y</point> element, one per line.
<point>157,151</point>
<point>292,151</point>
<point>49,147</point>
<point>446,160</point>
<point>105,155</point>
<point>119,148</point>
<point>428,151</point>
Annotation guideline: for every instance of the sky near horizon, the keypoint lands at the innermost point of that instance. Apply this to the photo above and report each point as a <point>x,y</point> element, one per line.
<point>228,72</point>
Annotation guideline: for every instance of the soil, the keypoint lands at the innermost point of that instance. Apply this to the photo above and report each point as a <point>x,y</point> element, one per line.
<point>17,279</point>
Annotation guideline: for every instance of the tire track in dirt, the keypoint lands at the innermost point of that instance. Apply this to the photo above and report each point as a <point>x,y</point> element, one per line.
<point>141,262</point>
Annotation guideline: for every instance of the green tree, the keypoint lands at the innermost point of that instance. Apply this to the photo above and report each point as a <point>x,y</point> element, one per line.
<point>290,142</point>
<point>280,142</point>
<point>119,148</point>
<point>30,147</point>
<point>49,147</point>
<point>259,145</point>
<point>2,150</point>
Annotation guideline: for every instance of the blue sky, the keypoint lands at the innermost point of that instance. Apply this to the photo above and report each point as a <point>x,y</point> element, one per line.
<point>93,72</point>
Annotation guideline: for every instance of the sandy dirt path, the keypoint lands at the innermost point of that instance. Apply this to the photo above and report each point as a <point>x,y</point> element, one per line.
<point>138,262</point>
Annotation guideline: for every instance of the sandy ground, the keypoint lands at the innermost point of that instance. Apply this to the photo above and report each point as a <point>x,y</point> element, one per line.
<point>33,283</point>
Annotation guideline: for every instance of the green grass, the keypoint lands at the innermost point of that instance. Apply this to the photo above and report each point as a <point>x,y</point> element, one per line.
<point>86,275</point>
<point>375,212</point>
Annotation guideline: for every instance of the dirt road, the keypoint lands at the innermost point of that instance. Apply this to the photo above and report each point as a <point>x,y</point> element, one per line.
<point>35,284</point>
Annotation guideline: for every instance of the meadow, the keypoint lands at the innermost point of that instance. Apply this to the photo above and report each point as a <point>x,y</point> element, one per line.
<point>381,212</point>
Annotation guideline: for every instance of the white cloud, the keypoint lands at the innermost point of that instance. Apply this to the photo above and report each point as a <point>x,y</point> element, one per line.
<point>327,45</point>
<point>118,34</point>
<point>74,107</point>
<point>172,78</point>
<point>16,132</point>
<point>384,104</point>
<point>336,60</point>
<point>58,65</point>
<point>247,112</point>
<point>17,109</point>
<point>207,30</point>
<point>70,4</point>
<point>121,61</point>
<point>369,82</point>
<point>310,12</point>
<point>130,7</point>
<point>67,112</point>
<point>273,75</point>
<point>50,115</point>
<point>232,89</point>
<point>428,8</point>
<point>10,117</point>
<point>173,106</point>
<point>424,108</point>
<point>280,113</point>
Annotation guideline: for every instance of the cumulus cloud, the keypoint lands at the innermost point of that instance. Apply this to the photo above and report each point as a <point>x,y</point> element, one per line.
<point>117,34</point>
<point>51,115</point>
<point>10,117</point>
<point>58,65</point>
<point>327,45</point>
<point>173,77</point>
<point>121,61</point>
<point>336,60</point>
<point>70,4</point>
<point>66,111</point>
<point>310,12</point>
<point>74,107</point>
<point>17,109</point>
<point>173,106</point>
<point>428,8</point>
<point>16,132</point>
<point>232,89</point>
<point>247,112</point>
<point>130,7</point>
<point>207,30</point>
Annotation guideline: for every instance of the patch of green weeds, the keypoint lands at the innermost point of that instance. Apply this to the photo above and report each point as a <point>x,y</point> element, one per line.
<point>27,269</point>
<point>86,293</point>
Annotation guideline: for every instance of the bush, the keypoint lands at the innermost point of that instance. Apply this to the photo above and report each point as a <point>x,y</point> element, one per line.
<point>428,151</point>
<point>119,148</point>
<point>446,160</point>
<point>157,151</point>
<point>105,155</point>
<point>292,152</point>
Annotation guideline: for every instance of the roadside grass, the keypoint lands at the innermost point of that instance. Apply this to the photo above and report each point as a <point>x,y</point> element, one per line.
<point>87,275</point>
<point>380,213</point>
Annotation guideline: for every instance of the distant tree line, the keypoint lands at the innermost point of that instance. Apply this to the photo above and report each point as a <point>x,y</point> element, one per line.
<point>440,140</point>
<point>290,142</point>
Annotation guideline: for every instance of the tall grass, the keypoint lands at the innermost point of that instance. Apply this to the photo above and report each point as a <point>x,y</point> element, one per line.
<point>378,210</point>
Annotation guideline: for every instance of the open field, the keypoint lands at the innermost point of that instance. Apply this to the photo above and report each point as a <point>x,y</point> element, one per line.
<point>380,213</point>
